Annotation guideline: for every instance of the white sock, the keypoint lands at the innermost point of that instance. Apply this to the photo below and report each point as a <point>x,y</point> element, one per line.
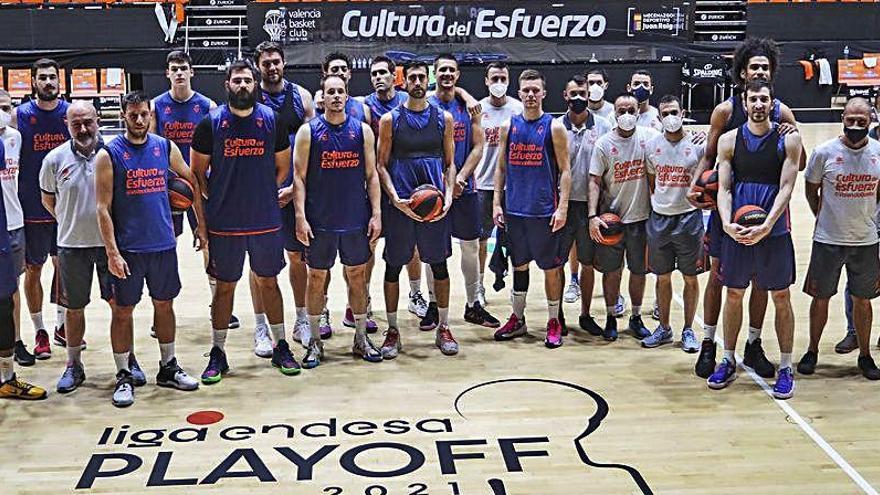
<point>609,310</point>
<point>754,333</point>
<point>7,369</point>
<point>415,286</point>
<point>360,325</point>
<point>553,309</point>
<point>301,313</point>
<point>260,320</point>
<point>218,338</point>
<point>709,332</point>
<point>730,355</point>
<point>470,268</point>
<point>277,331</point>
<point>392,319</point>
<point>518,300</point>
<point>784,360</point>
<point>636,310</point>
<point>73,354</point>
<point>121,360</point>
<point>166,352</point>
<point>37,318</point>
<point>213,284</point>
<point>429,276</point>
<point>60,313</point>
<point>481,273</point>
<point>443,315</point>
<point>314,326</point>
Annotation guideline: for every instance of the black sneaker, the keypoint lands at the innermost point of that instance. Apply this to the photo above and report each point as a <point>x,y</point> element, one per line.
<point>478,315</point>
<point>171,375</point>
<point>22,356</point>
<point>754,358</point>
<point>807,364</point>
<point>283,359</point>
<point>610,331</point>
<point>589,324</point>
<point>638,328</point>
<point>869,369</point>
<point>233,322</point>
<point>217,366</point>
<point>706,361</point>
<point>431,319</point>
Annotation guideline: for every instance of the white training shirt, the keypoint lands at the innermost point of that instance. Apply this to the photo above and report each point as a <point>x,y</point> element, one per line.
<point>491,121</point>
<point>606,111</point>
<point>9,178</point>
<point>651,118</point>
<point>673,166</point>
<point>581,142</point>
<point>620,162</point>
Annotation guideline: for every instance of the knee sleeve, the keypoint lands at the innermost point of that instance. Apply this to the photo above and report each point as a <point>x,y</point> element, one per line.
<point>440,271</point>
<point>7,325</point>
<point>521,281</point>
<point>392,273</point>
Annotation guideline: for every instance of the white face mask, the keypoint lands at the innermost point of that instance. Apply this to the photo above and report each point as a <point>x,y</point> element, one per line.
<point>596,92</point>
<point>498,89</point>
<point>627,121</point>
<point>5,118</point>
<point>672,123</point>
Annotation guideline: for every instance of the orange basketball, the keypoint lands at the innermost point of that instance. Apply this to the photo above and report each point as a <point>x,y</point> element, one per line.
<point>707,184</point>
<point>426,202</point>
<point>749,216</point>
<point>180,194</point>
<point>613,233</point>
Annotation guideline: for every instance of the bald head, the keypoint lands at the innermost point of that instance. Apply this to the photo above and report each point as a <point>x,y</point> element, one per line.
<point>82,122</point>
<point>81,108</point>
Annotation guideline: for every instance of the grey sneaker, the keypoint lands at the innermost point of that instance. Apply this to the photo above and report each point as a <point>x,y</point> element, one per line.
<point>392,346</point>
<point>417,304</point>
<point>262,342</point>
<point>123,395</point>
<point>74,375</point>
<point>572,293</point>
<point>314,355</point>
<point>849,343</point>
<point>659,337</point>
<point>620,307</point>
<point>689,342</point>
<point>302,331</point>
<point>364,349</point>
<point>445,341</point>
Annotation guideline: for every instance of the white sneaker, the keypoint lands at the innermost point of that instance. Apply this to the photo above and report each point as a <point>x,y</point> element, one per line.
<point>572,293</point>
<point>302,332</point>
<point>172,375</point>
<point>620,307</point>
<point>262,342</point>
<point>481,296</point>
<point>417,304</point>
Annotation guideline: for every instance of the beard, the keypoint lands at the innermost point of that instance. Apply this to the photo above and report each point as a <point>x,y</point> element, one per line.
<point>47,94</point>
<point>418,92</point>
<point>85,141</point>
<point>758,117</point>
<point>242,99</point>
<point>138,133</point>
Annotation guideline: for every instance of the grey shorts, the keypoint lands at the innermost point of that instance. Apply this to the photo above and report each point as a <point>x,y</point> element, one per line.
<point>77,266</point>
<point>577,231</point>
<point>610,258</point>
<point>826,262</point>
<point>676,242</point>
<point>17,243</point>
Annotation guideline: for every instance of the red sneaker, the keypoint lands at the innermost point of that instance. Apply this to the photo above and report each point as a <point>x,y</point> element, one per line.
<point>42,349</point>
<point>61,337</point>
<point>554,334</point>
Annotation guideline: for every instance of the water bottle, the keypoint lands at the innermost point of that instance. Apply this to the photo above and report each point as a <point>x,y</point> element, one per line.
<point>846,52</point>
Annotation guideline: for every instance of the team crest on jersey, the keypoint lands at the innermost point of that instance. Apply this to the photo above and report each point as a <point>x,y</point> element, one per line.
<point>156,151</point>
<point>352,134</point>
<point>658,151</point>
<point>197,108</point>
<point>125,155</point>
<point>614,151</point>
<point>260,122</point>
<point>224,124</point>
<point>874,160</point>
<point>687,151</point>
<point>33,120</point>
<point>323,137</point>
<point>541,129</point>
<point>167,110</point>
<point>838,159</point>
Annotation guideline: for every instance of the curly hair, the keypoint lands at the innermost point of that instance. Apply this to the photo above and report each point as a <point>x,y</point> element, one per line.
<point>754,47</point>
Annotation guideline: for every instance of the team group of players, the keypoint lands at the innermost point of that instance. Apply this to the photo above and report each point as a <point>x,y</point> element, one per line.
<point>277,170</point>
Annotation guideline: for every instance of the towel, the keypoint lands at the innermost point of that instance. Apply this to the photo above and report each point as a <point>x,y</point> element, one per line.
<point>824,72</point>
<point>808,69</point>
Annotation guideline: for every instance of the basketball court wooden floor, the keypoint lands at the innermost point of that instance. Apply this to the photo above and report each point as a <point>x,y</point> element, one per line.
<point>511,418</point>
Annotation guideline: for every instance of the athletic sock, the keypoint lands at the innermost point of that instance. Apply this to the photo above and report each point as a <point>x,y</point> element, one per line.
<point>709,332</point>
<point>7,369</point>
<point>74,354</point>
<point>730,355</point>
<point>609,310</point>
<point>553,309</point>
<point>166,352</point>
<point>392,319</point>
<point>443,314</point>
<point>218,338</point>
<point>415,286</point>
<point>212,283</point>
<point>37,318</point>
<point>314,327</point>
<point>60,313</point>
<point>301,313</point>
<point>121,360</point>
<point>518,299</point>
<point>784,360</point>
<point>636,310</point>
<point>754,333</point>
<point>260,320</point>
<point>470,268</point>
<point>277,332</point>
<point>360,325</point>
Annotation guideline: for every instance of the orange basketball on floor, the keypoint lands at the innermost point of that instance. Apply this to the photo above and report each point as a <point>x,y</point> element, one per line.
<point>426,202</point>
<point>749,216</point>
<point>180,194</point>
<point>613,233</point>
<point>707,185</point>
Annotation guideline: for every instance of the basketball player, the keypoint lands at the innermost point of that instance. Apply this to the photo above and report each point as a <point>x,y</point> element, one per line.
<point>583,128</point>
<point>339,64</point>
<point>416,147</point>
<point>14,216</point>
<point>533,174</point>
<point>497,108</point>
<point>675,227</point>
<point>247,147</point>
<point>294,104</point>
<point>464,217</point>
<point>384,99</point>
<point>842,191</point>
<point>41,124</point>
<point>641,85</point>
<point>596,103</point>
<point>754,60</point>
<point>617,172</point>
<point>11,387</point>
<point>757,166</point>
<point>134,217</point>
<point>337,203</point>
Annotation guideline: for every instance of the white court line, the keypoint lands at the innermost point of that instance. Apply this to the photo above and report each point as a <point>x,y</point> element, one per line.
<point>787,409</point>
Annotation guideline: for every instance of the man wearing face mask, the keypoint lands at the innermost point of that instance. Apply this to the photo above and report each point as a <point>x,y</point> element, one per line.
<point>583,128</point>
<point>842,180</point>
<point>597,105</point>
<point>675,228</point>
<point>641,85</point>
<point>617,170</point>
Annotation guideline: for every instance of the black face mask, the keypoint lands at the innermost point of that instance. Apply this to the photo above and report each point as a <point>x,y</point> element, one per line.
<point>577,105</point>
<point>855,135</point>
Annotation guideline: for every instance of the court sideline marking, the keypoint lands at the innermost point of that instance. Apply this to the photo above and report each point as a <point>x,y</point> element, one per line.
<point>790,411</point>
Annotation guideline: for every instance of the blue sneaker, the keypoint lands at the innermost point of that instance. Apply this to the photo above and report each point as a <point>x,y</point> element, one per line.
<point>784,387</point>
<point>74,375</point>
<point>620,307</point>
<point>724,375</point>
<point>689,342</point>
<point>659,337</point>
<point>138,379</point>
<point>638,328</point>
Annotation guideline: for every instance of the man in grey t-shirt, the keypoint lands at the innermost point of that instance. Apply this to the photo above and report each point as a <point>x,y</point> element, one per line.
<point>842,179</point>
<point>597,79</point>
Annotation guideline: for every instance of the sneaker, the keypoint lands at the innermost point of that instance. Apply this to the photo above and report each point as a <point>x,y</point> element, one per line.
<point>620,307</point>
<point>348,321</point>
<point>477,315</point>
<point>869,369</point>
<point>61,337</point>
<point>22,356</point>
<point>123,394</point>
<point>753,357</point>
<point>233,322</point>
<point>706,361</point>
<point>689,342</point>
<point>848,344</point>
<point>314,355</point>
<point>18,389</point>
<point>723,376</point>
<point>784,386</point>
<point>431,319</point>
<point>392,346</point>
<point>572,293</point>
<point>609,333</point>
<point>262,342</point>
<point>587,323</point>
<point>283,359</point>
<point>74,375</point>
<point>417,304</point>
<point>42,349</point>
<point>554,334</point>
<point>655,313</point>
<point>137,374</point>
<point>171,375</point>
<point>325,329</point>
<point>481,295</point>
<point>364,349</point>
<point>512,329</point>
<point>302,331</point>
<point>659,337</point>
<point>807,364</point>
<point>445,341</point>
<point>637,327</point>
<point>217,366</point>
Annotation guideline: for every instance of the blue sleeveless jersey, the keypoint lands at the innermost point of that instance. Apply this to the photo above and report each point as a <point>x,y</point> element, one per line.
<point>461,120</point>
<point>416,149</point>
<point>41,132</point>
<point>336,195</point>
<point>141,213</point>
<point>242,192</point>
<point>379,107</point>
<point>288,104</point>
<point>532,175</point>
<point>177,120</point>
<point>757,168</point>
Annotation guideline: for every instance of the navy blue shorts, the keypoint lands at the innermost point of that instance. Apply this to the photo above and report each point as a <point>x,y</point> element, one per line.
<point>531,239</point>
<point>158,269</point>
<point>288,230</point>
<point>714,234</point>
<point>177,219</point>
<point>464,217</point>
<point>403,234</point>
<point>8,274</point>
<point>40,242</point>
<point>17,243</point>
<point>353,248</point>
<point>768,265</point>
<point>226,255</point>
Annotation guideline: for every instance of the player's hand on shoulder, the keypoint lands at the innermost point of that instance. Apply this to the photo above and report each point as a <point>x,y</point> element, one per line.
<point>786,128</point>
<point>699,137</point>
